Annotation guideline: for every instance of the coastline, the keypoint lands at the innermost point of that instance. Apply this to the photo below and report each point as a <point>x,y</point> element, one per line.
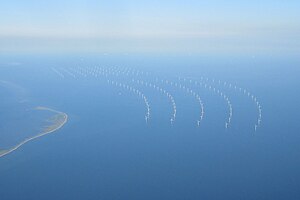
<point>4,152</point>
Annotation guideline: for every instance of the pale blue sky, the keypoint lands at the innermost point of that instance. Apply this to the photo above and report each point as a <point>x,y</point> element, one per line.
<point>126,26</point>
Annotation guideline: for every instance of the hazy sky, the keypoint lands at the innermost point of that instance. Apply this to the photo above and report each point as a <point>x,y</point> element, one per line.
<point>126,26</point>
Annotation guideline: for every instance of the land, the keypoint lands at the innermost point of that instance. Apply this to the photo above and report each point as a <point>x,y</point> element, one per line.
<point>57,121</point>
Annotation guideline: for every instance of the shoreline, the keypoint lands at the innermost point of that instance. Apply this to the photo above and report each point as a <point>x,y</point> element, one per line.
<point>65,116</point>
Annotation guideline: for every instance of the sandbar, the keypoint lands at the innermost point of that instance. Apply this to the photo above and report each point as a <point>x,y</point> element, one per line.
<point>58,120</point>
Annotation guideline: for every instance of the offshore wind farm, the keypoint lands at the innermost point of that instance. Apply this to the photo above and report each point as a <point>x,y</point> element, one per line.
<point>103,109</point>
<point>146,100</point>
<point>151,87</point>
<point>137,79</point>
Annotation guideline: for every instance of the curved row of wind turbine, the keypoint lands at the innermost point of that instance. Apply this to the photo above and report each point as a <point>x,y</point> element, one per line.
<point>99,71</point>
<point>165,92</point>
<point>218,92</point>
<point>137,92</point>
<point>127,72</point>
<point>189,91</point>
<point>86,72</point>
<point>116,72</point>
<point>245,92</point>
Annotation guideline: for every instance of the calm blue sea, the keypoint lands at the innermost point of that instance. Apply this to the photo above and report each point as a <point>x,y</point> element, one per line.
<point>107,151</point>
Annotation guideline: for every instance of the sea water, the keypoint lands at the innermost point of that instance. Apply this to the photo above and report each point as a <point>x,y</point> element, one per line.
<point>106,150</point>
